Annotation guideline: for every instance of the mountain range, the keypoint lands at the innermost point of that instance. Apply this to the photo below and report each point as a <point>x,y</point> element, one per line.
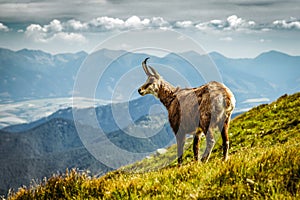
<point>34,74</point>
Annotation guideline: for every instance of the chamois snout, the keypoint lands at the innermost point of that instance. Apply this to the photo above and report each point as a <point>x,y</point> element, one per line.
<point>140,92</point>
<point>147,88</point>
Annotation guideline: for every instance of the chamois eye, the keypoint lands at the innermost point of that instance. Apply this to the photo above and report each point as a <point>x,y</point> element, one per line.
<point>147,85</point>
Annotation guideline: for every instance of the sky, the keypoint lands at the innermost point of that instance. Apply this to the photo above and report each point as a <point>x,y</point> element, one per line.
<point>234,28</point>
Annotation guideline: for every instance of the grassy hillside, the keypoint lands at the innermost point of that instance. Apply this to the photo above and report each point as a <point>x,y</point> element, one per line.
<point>264,164</point>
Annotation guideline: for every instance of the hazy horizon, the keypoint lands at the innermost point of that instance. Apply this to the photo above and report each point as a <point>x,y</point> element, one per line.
<point>149,52</point>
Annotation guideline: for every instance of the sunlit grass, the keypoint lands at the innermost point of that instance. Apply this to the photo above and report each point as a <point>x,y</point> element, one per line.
<point>264,164</point>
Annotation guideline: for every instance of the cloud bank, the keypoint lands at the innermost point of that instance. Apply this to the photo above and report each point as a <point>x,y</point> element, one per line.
<point>74,30</point>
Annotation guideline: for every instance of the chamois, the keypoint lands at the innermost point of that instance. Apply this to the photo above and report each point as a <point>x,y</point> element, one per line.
<point>203,109</point>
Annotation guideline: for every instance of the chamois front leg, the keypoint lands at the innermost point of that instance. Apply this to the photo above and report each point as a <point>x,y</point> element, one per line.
<point>210,143</point>
<point>180,139</point>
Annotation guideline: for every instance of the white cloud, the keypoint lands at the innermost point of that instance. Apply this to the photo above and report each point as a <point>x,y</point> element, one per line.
<point>235,22</point>
<point>36,32</point>
<point>217,23</point>
<point>232,23</point>
<point>3,27</point>
<point>283,24</point>
<point>77,25</point>
<point>159,22</point>
<point>265,29</point>
<point>107,23</point>
<point>184,24</point>
<point>203,26</point>
<point>54,26</point>
<point>136,22</point>
<point>257,100</point>
<point>228,39</point>
<point>52,31</point>
<point>69,37</point>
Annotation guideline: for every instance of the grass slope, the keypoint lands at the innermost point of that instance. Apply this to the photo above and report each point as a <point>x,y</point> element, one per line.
<point>264,164</point>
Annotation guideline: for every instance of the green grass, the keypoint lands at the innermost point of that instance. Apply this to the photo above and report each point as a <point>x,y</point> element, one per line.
<point>264,163</point>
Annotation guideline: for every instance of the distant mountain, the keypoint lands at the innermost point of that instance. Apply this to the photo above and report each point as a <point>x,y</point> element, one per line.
<point>33,74</point>
<point>277,70</point>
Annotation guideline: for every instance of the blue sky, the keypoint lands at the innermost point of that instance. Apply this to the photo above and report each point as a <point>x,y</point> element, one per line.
<point>235,28</point>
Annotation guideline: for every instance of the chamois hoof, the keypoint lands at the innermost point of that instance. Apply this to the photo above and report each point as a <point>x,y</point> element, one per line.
<point>204,160</point>
<point>225,159</point>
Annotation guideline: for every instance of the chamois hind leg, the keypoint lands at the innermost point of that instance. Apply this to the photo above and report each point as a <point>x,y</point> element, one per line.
<point>196,146</point>
<point>180,139</point>
<point>210,143</point>
<point>225,139</point>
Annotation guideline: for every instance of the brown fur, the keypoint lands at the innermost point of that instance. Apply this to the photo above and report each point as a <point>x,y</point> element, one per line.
<point>194,110</point>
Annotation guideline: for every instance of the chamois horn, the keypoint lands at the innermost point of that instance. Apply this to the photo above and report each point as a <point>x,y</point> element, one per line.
<point>144,64</point>
<point>154,72</point>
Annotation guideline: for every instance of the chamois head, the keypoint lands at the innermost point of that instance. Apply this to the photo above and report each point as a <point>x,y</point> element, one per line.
<point>153,82</point>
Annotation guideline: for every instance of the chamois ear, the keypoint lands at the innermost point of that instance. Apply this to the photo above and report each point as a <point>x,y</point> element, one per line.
<point>155,74</point>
